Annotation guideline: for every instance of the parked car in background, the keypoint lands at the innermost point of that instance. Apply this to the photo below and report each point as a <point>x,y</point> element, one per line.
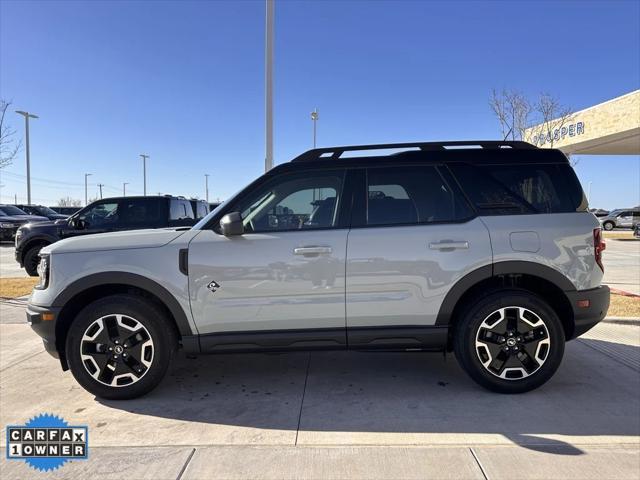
<point>636,230</point>
<point>621,218</point>
<point>42,211</point>
<point>200,208</point>
<point>66,210</point>
<point>599,212</point>
<point>11,218</point>
<point>452,247</point>
<point>106,215</point>
<point>214,205</point>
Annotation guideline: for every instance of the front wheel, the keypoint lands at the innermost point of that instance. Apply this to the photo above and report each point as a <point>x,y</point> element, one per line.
<point>31,260</point>
<point>120,347</point>
<point>510,341</point>
<point>608,226</point>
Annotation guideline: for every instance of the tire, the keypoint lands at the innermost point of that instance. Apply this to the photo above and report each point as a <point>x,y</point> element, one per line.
<point>507,363</point>
<point>31,259</point>
<point>608,226</point>
<point>119,347</point>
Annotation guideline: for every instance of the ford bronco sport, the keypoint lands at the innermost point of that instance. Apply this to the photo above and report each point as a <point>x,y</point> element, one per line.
<point>483,248</point>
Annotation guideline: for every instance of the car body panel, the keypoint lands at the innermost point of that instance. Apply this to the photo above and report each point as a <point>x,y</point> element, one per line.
<point>565,243</point>
<point>398,276</point>
<point>263,284</point>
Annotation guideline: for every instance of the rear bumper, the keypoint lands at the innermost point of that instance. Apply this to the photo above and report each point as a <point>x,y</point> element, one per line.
<point>587,317</point>
<point>45,328</point>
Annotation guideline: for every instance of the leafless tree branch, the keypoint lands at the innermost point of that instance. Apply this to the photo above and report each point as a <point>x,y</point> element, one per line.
<point>9,147</point>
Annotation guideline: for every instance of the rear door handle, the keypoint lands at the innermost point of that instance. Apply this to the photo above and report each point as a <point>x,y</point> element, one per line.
<point>311,250</point>
<point>447,245</point>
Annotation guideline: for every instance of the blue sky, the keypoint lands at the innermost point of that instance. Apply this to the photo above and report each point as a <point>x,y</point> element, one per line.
<point>183,82</point>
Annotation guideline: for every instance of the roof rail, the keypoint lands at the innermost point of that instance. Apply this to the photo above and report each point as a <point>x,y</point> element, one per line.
<point>336,152</point>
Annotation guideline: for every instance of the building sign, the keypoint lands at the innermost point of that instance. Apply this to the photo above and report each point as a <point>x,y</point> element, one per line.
<point>571,130</point>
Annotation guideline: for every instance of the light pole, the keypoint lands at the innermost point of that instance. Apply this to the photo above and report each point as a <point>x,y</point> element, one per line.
<point>124,188</point>
<point>144,171</point>
<point>589,193</point>
<point>86,175</point>
<point>268,80</point>
<point>100,185</point>
<point>206,186</point>
<point>27,116</point>
<point>314,119</point>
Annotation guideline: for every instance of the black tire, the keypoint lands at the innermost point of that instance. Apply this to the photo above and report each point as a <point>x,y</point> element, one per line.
<point>157,327</point>
<point>608,226</point>
<point>31,259</point>
<point>473,358</point>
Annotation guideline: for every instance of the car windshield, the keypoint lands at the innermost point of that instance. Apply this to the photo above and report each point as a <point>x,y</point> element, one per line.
<point>45,210</point>
<point>11,210</point>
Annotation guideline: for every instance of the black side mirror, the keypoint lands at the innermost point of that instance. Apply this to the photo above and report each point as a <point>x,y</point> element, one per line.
<point>78,224</point>
<point>231,224</point>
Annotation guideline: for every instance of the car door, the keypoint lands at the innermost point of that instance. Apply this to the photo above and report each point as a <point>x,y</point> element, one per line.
<point>625,219</point>
<point>412,239</point>
<point>281,283</point>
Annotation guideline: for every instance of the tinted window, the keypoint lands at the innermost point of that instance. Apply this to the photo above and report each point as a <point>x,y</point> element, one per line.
<point>521,189</point>
<point>406,195</point>
<point>100,215</point>
<point>140,213</point>
<point>180,210</point>
<point>293,202</point>
<point>201,209</point>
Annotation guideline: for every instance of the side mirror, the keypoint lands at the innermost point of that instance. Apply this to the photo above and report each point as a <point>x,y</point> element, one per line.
<point>231,224</point>
<point>78,224</point>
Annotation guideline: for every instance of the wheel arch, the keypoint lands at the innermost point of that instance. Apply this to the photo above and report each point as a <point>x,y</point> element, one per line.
<point>86,290</point>
<point>36,240</point>
<point>535,278</point>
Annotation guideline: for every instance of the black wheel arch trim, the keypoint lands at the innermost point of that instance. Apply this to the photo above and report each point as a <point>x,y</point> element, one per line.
<point>26,243</point>
<point>508,267</point>
<point>131,280</point>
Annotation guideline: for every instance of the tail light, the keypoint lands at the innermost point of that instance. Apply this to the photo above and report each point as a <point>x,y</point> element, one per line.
<point>598,246</point>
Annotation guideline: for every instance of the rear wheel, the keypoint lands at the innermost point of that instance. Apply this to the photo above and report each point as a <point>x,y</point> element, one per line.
<point>608,225</point>
<point>31,259</point>
<point>510,341</point>
<point>120,347</point>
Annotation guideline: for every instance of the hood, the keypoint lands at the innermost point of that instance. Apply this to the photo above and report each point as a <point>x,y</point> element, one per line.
<point>32,218</point>
<point>40,226</point>
<point>12,219</point>
<point>115,241</point>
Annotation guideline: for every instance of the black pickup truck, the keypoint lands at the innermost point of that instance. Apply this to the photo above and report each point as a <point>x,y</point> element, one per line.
<point>107,215</point>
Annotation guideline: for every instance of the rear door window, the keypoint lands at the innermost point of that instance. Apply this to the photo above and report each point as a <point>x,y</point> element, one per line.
<point>411,195</point>
<point>140,213</point>
<point>180,212</point>
<point>520,189</point>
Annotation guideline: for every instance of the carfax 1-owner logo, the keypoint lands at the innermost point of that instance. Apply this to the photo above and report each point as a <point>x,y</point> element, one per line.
<point>46,442</point>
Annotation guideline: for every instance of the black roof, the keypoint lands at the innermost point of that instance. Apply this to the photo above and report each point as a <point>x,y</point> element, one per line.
<point>474,152</point>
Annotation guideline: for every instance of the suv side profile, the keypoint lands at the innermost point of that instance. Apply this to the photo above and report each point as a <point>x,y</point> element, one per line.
<point>482,248</point>
<point>622,218</point>
<point>107,215</point>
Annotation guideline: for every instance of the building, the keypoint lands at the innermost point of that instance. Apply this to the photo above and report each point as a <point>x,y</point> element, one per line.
<point>609,128</point>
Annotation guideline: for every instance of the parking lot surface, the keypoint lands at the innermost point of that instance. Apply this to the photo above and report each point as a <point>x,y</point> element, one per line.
<point>9,268</point>
<point>339,415</point>
<point>622,264</point>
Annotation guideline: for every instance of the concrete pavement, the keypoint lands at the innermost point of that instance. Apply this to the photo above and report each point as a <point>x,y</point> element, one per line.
<point>339,415</point>
<point>9,268</point>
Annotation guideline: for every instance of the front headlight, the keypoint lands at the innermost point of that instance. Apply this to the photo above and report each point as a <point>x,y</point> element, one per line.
<point>43,272</point>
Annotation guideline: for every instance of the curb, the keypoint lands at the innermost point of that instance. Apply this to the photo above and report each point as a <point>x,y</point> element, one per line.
<point>622,320</point>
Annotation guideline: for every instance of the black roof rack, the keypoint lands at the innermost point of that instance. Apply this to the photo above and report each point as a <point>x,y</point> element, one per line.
<point>336,152</point>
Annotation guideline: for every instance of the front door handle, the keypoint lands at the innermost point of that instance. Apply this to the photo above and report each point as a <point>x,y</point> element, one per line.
<point>447,245</point>
<point>311,250</point>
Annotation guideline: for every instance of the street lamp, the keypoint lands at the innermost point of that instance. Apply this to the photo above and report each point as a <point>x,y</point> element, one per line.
<point>27,116</point>
<point>144,171</point>
<point>86,175</point>
<point>124,188</point>
<point>314,119</point>
<point>206,186</point>
<point>268,81</point>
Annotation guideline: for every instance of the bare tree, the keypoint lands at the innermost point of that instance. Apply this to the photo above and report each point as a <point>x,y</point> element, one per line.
<point>512,109</point>
<point>550,121</point>
<point>69,202</point>
<point>9,147</point>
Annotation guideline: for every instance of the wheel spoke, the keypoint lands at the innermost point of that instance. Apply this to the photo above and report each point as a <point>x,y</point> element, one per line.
<point>138,337</point>
<point>111,324</point>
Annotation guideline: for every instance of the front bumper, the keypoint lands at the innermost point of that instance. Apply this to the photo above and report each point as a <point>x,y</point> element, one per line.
<point>8,233</point>
<point>587,317</point>
<point>45,328</point>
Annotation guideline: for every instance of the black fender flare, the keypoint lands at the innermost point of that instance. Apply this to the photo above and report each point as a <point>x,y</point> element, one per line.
<point>509,267</point>
<point>131,280</point>
<point>40,238</point>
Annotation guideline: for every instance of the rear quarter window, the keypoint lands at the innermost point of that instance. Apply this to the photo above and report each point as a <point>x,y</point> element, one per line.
<point>180,210</point>
<point>521,189</point>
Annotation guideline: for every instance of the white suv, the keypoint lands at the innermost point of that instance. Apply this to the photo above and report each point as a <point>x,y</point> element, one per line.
<point>483,248</point>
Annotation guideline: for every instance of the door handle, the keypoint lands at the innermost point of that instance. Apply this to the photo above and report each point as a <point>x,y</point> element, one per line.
<point>311,250</point>
<point>447,245</point>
